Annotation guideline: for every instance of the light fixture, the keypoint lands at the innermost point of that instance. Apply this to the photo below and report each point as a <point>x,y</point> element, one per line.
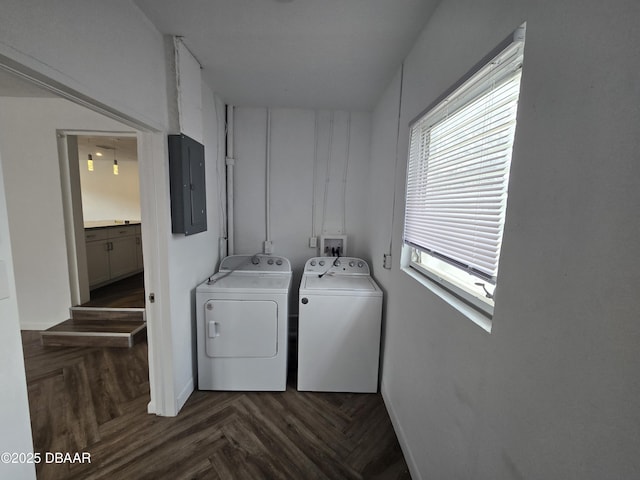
<point>90,163</point>
<point>115,163</point>
<point>98,154</point>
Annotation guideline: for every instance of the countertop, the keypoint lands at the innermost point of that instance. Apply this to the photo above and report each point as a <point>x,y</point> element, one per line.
<point>109,223</point>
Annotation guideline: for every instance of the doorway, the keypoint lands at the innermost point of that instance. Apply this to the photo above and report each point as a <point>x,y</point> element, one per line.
<point>111,217</point>
<point>150,145</point>
<point>102,216</point>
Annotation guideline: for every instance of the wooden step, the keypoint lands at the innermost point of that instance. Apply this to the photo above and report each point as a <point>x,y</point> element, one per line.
<point>98,327</point>
<point>103,314</point>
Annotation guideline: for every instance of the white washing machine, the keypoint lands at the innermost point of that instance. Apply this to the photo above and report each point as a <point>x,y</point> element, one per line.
<point>242,324</point>
<point>339,326</point>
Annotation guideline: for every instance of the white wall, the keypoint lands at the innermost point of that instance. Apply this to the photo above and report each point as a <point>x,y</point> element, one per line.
<point>384,146</point>
<point>107,51</point>
<point>14,406</point>
<point>552,391</point>
<point>194,258</point>
<point>106,196</point>
<point>28,144</point>
<point>295,133</point>
<point>198,113</point>
<point>189,91</point>
<point>112,56</point>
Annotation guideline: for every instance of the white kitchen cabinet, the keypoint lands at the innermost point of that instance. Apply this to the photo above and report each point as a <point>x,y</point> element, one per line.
<point>112,253</point>
<point>122,257</point>
<point>98,262</point>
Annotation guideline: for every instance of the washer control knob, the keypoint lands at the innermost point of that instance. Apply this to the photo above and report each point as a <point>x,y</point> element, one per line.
<point>305,300</point>
<point>337,263</point>
<point>255,260</point>
<point>270,261</point>
<point>321,263</point>
<point>360,264</point>
<point>279,262</point>
<point>352,263</point>
<point>313,263</point>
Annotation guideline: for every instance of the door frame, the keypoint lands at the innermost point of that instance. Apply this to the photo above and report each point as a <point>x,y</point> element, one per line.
<point>152,155</point>
<point>73,210</point>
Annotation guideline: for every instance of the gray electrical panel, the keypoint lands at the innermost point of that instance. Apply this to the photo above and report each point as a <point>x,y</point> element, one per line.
<point>188,187</point>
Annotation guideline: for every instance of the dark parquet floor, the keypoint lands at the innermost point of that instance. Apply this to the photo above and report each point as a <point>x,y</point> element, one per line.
<point>95,399</point>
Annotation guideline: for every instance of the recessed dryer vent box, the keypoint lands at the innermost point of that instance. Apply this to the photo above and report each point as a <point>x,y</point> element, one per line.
<point>333,245</point>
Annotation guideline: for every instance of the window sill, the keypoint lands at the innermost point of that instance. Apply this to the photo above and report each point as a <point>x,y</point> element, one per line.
<point>480,319</point>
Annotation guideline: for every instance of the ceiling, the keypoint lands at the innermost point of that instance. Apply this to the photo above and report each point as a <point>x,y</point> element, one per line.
<point>107,148</point>
<point>332,54</point>
<point>295,53</point>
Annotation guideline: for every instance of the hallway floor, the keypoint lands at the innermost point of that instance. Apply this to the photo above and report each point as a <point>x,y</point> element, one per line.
<point>125,293</point>
<point>95,400</point>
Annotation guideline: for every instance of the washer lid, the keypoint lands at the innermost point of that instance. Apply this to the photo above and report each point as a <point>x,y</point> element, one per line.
<point>339,285</point>
<point>242,282</point>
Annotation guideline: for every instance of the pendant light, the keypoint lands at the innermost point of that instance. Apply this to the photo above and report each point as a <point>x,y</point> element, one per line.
<point>115,163</point>
<point>89,157</point>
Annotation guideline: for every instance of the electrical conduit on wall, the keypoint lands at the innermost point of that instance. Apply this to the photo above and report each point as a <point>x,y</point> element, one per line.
<point>324,142</point>
<point>267,243</point>
<point>340,223</point>
<point>221,180</point>
<point>344,177</point>
<point>315,175</point>
<point>230,161</point>
<point>327,177</point>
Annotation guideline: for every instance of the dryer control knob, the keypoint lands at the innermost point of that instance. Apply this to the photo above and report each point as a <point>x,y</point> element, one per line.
<point>305,300</point>
<point>313,263</point>
<point>360,264</point>
<point>270,261</point>
<point>337,263</point>
<point>278,262</point>
<point>321,263</point>
<point>352,263</point>
<point>255,260</point>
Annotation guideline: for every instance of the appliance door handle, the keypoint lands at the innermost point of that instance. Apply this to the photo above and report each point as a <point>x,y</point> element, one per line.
<point>212,328</point>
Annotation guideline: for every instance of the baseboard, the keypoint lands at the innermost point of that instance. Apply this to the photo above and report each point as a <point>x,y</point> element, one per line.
<point>408,456</point>
<point>184,395</point>
<point>37,326</point>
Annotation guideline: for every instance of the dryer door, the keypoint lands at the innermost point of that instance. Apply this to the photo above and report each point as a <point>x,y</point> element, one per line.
<point>241,328</point>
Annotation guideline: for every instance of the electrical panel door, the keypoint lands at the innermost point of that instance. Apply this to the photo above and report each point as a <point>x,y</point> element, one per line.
<point>188,188</point>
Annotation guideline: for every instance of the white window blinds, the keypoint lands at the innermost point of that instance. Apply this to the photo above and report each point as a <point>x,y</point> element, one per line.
<point>458,168</point>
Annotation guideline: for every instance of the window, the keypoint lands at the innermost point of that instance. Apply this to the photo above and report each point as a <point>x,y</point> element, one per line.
<point>457,178</point>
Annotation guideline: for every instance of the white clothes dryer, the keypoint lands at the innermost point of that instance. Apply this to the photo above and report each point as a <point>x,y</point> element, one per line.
<point>242,324</point>
<point>340,316</point>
